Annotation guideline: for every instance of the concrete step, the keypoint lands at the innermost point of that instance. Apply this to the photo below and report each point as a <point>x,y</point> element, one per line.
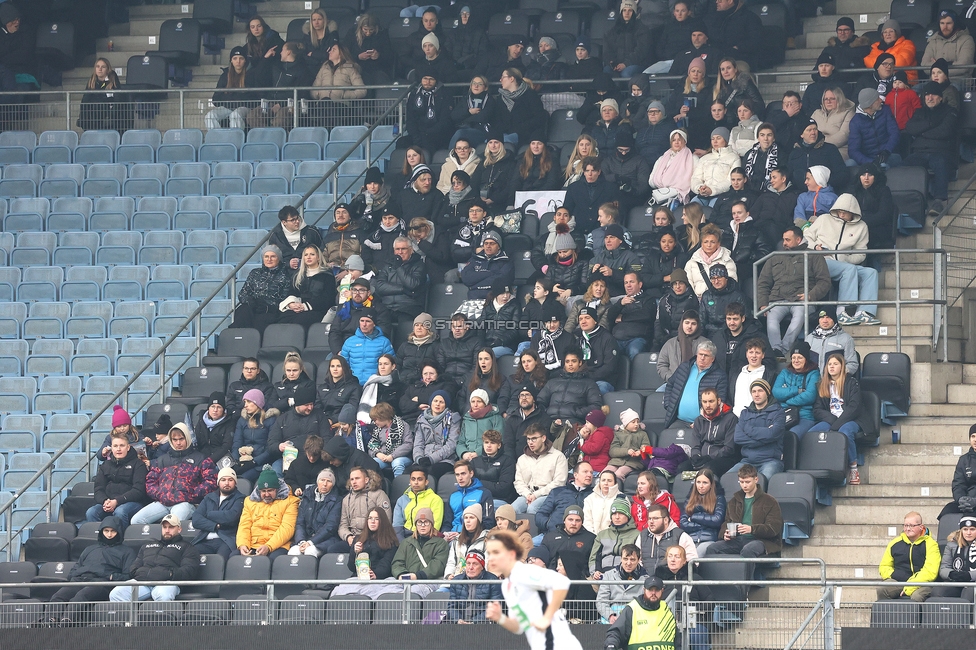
<point>918,349</point>
<point>961,411</point>
<point>836,556</point>
<point>779,594</point>
<point>962,393</point>
<point>834,572</point>
<point>856,7</point>
<point>954,434</point>
<point>917,314</point>
<point>927,455</point>
<point>866,491</point>
<point>907,472</point>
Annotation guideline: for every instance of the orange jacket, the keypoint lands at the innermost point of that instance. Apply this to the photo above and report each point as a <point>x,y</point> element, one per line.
<point>904,52</point>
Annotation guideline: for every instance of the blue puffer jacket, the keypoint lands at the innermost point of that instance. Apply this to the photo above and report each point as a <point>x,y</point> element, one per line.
<point>714,377</point>
<point>461,498</point>
<point>760,433</point>
<point>794,389</point>
<point>871,135</point>
<point>463,606</point>
<point>704,527</point>
<point>245,436</point>
<point>318,520</point>
<point>362,352</point>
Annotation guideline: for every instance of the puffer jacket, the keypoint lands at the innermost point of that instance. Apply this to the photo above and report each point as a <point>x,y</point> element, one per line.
<point>356,507</point>
<point>215,441</point>
<point>345,74</point>
<point>822,343</point>
<point>402,285</point>
<point>410,407</point>
<point>652,140</point>
<point>833,233</point>
<point>409,503</point>
<point>499,334</point>
<point>836,125</point>
<point>713,438</point>
<point>935,131</point>
<point>438,443</point>
<point>411,355</point>
<point>306,236</point>
<point>236,390</point>
<point>636,318</point>
<point>467,602</point>
<point>452,164</point>
<point>704,526</point>
<point>749,246</point>
<point>540,474</point>
<point>550,514</point>
<point>256,437</point>
<point>810,204</point>
<point>908,561</point>
<point>464,497</point>
<point>743,136</point>
<point>105,561</point>
<point>877,208</point>
<point>339,245</point>
<point>570,396</point>
<point>803,157</point>
<point>964,476</point>
<point>497,474</point>
<point>628,174</point>
<point>123,480</point>
<point>596,508</point>
<point>181,476</point>
<point>265,288</point>
<point>713,304</point>
<point>605,133</point>
<point>456,356</point>
<point>713,377</point>
<point>295,428</point>
<point>608,545</point>
<point>869,135</point>
<point>629,43</point>
<point>657,265</point>
<point>482,272</point>
<point>699,281</point>
<point>624,441</point>
<point>610,596</point>
<point>318,520</point>
<point>957,49</point>
<point>362,351</point>
<point>173,559</point>
<point>781,278</point>
<point>759,434</point>
<point>596,448</point>
<point>285,390</point>
<point>773,211</point>
<point>903,49</point>
<point>332,396</point>
<point>472,429</point>
<point>273,524</point>
<point>426,557</point>
<point>669,311</point>
<point>795,389</point>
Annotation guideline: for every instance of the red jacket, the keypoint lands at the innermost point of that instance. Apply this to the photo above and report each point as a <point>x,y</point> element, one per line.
<point>638,511</point>
<point>596,448</point>
<point>903,104</point>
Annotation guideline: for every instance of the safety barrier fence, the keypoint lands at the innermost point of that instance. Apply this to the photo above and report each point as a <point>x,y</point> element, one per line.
<point>938,301</point>
<point>194,321</point>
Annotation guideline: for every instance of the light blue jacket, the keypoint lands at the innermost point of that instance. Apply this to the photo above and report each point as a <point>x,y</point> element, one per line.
<point>362,352</point>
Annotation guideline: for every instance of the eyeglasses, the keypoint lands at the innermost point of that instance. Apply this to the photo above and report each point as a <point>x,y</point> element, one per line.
<point>888,64</point>
<point>655,518</point>
<point>912,526</point>
<point>533,439</point>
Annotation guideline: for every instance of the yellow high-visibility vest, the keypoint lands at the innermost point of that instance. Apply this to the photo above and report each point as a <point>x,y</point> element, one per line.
<point>651,630</point>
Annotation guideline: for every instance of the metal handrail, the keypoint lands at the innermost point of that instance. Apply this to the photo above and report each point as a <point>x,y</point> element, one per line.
<point>939,323</point>
<point>7,509</point>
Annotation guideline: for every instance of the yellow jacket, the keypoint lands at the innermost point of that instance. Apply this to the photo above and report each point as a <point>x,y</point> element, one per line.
<point>907,561</point>
<point>273,524</point>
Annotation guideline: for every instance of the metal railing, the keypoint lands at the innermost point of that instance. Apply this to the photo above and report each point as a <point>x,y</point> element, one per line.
<point>938,301</point>
<point>193,319</point>
<point>955,232</point>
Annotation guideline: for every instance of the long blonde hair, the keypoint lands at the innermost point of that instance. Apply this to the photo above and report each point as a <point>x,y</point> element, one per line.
<point>366,20</point>
<point>823,390</point>
<point>694,214</point>
<point>113,79</point>
<point>575,157</point>
<point>325,27</point>
<point>717,91</point>
<point>303,269</point>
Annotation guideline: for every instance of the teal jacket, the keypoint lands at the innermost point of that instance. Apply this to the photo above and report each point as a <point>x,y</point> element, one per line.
<point>794,389</point>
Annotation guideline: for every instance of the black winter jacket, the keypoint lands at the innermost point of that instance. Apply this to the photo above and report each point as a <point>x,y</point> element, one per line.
<point>501,398</point>
<point>605,134</point>
<point>964,476</point>
<point>123,480</point>
<point>308,235</point>
<point>465,119</point>
<point>498,183</point>
<point>236,99</point>
<point>173,559</point>
<point>497,474</point>
<point>411,355</point>
<point>429,120</point>
<point>853,410</point>
<point>674,39</point>
<point>574,551</point>
<point>877,207</point>
<point>332,396</point>
<point>751,245</point>
<point>652,140</point>
<point>629,174</point>
<point>849,54</point>
<point>669,311</point>
<point>285,390</point>
<point>265,288</point>
<point>731,350</point>
<point>456,356</point>
<point>469,47</point>
<point>105,561</point>
<point>570,395</point>
<point>739,88</point>
<point>285,75</point>
<point>513,437</point>
<point>934,131</point>
<point>773,211</point>
<point>713,303</point>
<point>212,516</point>
<point>604,362</point>
<point>413,203</point>
<point>803,157</point>
<point>301,472</point>
<point>236,390</point>
<point>571,277</point>
<point>535,181</point>
<point>215,442</point>
<point>657,265</point>
<point>409,409</point>
<point>713,439</point>
<point>628,43</point>
<point>528,117</point>
<point>402,285</point>
<point>722,210</point>
<point>292,427</point>
<point>637,318</point>
<point>318,521</point>
<point>737,30</point>
<point>317,292</point>
<point>584,199</point>
<point>502,331</point>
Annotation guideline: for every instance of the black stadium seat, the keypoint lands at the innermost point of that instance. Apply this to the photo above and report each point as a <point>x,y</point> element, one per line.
<point>179,42</point>
<point>911,14</point>
<point>147,71</point>
<point>643,374</point>
<point>619,401</point>
<point>279,339</point>
<point>888,374</point>
<point>506,25</point>
<point>75,506</point>
<point>233,345</point>
<point>553,23</point>
<point>55,45</point>
<point>217,16</point>
<point>896,613</point>
<point>444,299</point>
<point>564,128</point>
<point>796,493</point>
<point>50,542</point>
<point>16,572</point>
<point>136,535</point>
<point>292,567</point>
<point>199,383</point>
<point>302,610</point>
<point>211,568</point>
<point>823,455</point>
<point>911,193</point>
<point>241,567</point>
<point>871,403</point>
<point>945,613</point>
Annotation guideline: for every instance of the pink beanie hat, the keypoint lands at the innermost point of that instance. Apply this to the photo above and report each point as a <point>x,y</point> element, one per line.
<point>119,417</point>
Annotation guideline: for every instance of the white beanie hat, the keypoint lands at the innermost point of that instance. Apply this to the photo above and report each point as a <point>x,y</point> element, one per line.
<point>628,416</point>
<point>433,40</point>
<point>821,175</point>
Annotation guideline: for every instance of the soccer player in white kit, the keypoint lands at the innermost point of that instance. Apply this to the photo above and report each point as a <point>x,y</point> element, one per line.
<point>534,596</point>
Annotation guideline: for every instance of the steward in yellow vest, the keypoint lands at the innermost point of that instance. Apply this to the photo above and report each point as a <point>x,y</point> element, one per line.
<point>645,623</point>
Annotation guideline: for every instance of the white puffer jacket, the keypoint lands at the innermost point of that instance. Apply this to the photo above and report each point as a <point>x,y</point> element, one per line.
<point>695,277</point>
<point>596,509</point>
<point>745,135</point>
<point>712,170</point>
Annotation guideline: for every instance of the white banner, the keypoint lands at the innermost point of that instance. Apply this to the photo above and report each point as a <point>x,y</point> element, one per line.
<point>539,203</point>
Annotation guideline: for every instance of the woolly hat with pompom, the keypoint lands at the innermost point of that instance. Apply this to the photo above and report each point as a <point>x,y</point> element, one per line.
<point>563,240</point>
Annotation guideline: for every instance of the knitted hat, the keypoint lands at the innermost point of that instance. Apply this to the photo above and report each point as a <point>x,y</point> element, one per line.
<point>304,395</point>
<point>465,10</point>
<point>628,4</point>
<point>628,416</point>
<point>374,175</point>
<point>425,319</point>
<point>722,131</point>
<point>119,417</point>
<point>699,26</point>
<point>620,507</point>
<point>161,427</point>
<point>564,241</point>
<point>474,509</point>
<point>583,42</point>
<point>218,398</point>
<point>256,396</point>
<point>515,39</point>
<point>596,417</point>
<point>227,471</point>
<point>825,313</point>
<point>267,478</point>
<point>548,40</point>
<point>821,175</point>
<point>355,263</point>
<point>932,88</point>
<point>498,288</point>
<point>442,393</point>
<point>418,170</point>
<point>868,96</point>
<point>572,510</point>
<point>614,230</point>
<point>347,414</point>
<point>825,57</point>
<point>696,62</point>
<point>527,387</point>
<point>655,105</point>
<point>475,555</point>
<point>678,132</point>
<point>625,138</point>
<point>941,64</point>
<point>367,313</point>
<point>540,552</point>
<point>967,521</point>
<point>801,348</point>
<point>477,202</point>
<point>762,383</point>
<point>461,175</point>
<point>718,271</point>
<point>948,13</point>
<point>588,311</point>
<point>506,512</point>
<point>271,248</point>
<point>432,39</point>
<point>481,394</point>
<point>900,75</point>
<point>679,275</point>
<point>495,134</point>
<point>891,23</point>
<point>423,513</point>
<point>240,50</point>
<point>612,103</point>
<point>882,58</point>
<point>493,235</point>
<point>554,310</point>
<point>846,21</point>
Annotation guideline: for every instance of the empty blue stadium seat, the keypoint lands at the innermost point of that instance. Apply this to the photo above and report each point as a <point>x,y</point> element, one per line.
<point>18,187</point>
<point>165,290</point>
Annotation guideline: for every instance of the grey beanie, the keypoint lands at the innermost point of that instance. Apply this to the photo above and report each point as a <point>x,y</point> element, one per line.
<point>659,106</point>
<point>564,241</point>
<point>722,131</point>
<point>272,248</point>
<point>866,97</point>
<point>892,24</point>
<point>548,40</point>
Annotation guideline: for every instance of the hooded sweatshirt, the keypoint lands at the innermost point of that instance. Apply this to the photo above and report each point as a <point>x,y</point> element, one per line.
<point>181,476</point>
<point>833,233</point>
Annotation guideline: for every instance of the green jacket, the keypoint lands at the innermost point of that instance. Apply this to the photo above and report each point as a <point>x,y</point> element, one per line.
<point>413,555</point>
<point>472,429</point>
<point>605,554</point>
